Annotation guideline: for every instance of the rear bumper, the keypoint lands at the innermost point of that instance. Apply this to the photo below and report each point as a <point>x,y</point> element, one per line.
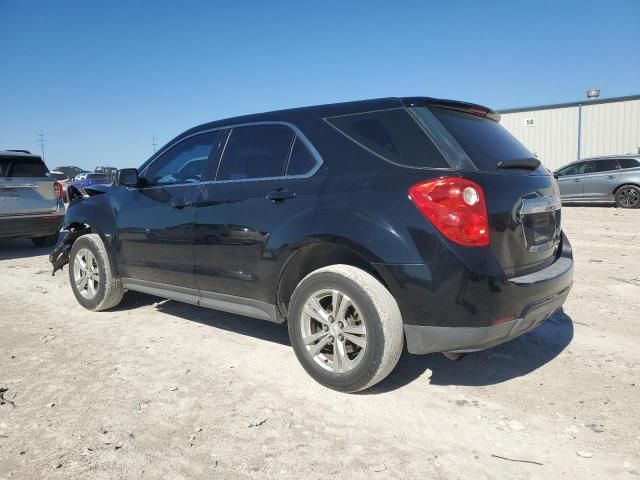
<point>448,308</point>
<point>31,226</point>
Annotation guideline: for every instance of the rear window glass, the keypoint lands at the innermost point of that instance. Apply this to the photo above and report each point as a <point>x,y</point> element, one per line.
<point>628,163</point>
<point>485,141</point>
<point>22,167</point>
<point>393,135</point>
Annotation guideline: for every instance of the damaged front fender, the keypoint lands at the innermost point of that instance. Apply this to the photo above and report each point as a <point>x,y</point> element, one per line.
<point>60,255</point>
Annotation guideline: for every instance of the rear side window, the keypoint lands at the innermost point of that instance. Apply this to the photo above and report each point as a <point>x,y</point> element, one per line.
<point>628,163</point>
<point>393,135</point>
<point>485,141</point>
<point>301,160</point>
<point>605,165</point>
<point>258,151</point>
<point>19,166</point>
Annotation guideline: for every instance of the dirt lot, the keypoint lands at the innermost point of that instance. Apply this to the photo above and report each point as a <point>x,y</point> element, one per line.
<point>162,390</point>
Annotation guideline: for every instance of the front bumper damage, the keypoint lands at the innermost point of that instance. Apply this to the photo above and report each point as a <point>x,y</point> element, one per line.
<point>60,255</point>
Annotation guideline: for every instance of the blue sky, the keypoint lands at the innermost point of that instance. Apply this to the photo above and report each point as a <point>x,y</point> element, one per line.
<point>99,78</point>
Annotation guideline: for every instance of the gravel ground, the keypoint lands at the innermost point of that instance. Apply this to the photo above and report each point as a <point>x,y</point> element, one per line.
<point>158,389</point>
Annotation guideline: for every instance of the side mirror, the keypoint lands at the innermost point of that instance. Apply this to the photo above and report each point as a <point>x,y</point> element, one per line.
<point>128,177</point>
<point>555,175</point>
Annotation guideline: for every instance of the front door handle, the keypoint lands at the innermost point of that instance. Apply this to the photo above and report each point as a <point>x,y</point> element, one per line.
<point>611,176</point>
<point>280,195</point>
<point>180,204</point>
<point>577,180</point>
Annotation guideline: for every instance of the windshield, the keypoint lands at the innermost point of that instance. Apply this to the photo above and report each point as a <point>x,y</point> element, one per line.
<point>485,141</point>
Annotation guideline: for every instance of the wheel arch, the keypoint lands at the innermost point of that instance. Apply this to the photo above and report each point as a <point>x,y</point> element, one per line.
<point>317,255</point>
<point>626,184</point>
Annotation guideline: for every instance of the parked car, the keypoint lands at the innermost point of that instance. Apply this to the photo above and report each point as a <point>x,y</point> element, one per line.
<point>71,171</point>
<point>64,180</point>
<point>30,200</point>
<point>84,180</point>
<point>364,225</point>
<point>109,172</point>
<point>613,179</point>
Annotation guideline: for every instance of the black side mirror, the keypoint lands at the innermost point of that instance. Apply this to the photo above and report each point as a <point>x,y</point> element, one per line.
<point>128,177</point>
<point>555,175</point>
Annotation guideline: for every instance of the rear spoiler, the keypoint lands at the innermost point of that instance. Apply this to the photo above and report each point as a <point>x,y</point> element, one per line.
<point>466,107</point>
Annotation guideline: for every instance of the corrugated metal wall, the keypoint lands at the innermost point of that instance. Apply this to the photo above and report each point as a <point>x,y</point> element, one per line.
<point>610,128</point>
<point>607,129</point>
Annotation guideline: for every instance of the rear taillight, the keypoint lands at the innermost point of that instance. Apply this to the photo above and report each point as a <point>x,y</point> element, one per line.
<point>57,187</point>
<point>456,207</point>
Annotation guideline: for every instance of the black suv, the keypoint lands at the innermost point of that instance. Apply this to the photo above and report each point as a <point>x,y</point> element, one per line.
<point>361,224</point>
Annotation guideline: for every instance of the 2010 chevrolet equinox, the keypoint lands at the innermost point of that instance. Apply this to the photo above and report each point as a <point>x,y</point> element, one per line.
<point>362,225</point>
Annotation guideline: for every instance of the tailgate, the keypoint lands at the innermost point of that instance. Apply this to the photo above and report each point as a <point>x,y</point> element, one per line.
<point>25,188</point>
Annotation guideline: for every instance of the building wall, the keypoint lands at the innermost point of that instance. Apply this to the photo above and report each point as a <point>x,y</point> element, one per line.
<point>607,129</point>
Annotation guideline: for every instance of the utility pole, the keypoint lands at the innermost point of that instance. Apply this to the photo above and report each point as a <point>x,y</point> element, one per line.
<point>41,142</point>
<point>153,143</point>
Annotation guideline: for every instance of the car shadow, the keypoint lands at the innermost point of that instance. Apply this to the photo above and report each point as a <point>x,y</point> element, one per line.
<point>489,367</point>
<point>271,332</point>
<point>13,249</point>
<point>502,363</point>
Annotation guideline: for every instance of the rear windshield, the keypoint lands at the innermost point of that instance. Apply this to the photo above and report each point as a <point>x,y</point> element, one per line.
<point>20,166</point>
<point>485,141</point>
<point>392,135</point>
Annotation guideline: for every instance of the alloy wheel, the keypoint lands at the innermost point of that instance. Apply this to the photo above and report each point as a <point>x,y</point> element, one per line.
<point>333,330</point>
<point>86,274</point>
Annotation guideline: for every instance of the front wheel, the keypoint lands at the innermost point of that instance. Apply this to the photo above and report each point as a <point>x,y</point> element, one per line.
<point>93,281</point>
<point>628,196</point>
<point>345,328</point>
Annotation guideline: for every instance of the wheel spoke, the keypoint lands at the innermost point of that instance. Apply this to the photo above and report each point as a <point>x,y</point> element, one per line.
<point>340,359</point>
<point>315,311</point>
<point>308,340</point>
<point>359,341</point>
<point>315,349</point>
<point>355,329</point>
<point>344,306</point>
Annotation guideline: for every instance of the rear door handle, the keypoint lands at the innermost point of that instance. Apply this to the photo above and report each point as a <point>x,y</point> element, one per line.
<point>280,195</point>
<point>611,176</point>
<point>577,180</point>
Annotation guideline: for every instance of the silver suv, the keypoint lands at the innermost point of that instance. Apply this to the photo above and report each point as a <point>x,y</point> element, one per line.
<point>603,179</point>
<point>30,200</point>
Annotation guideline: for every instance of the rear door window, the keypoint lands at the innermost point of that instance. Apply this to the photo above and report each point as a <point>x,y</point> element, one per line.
<point>393,135</point>
<point>485,141</point>
<point>22,166</point>
<point>605,165</point>
<point>628,162</point>
<point>256,151</point>
<point>302,160</point>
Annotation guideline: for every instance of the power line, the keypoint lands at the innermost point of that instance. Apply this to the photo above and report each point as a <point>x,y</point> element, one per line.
<point>41,141</point>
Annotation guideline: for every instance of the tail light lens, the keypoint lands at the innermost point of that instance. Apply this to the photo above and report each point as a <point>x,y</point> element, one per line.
<point>57,188</point>
<point>456,207</point>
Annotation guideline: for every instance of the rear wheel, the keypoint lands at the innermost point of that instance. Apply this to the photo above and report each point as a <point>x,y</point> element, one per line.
<point>345,328</point>
<point>48,241</point>
<point>93,281</point>
<point>628,196</point>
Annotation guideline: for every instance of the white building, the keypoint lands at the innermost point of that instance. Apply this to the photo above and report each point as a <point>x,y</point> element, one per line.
<point>561,133</point>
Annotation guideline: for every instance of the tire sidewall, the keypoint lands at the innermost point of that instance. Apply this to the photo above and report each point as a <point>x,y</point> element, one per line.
<point>103,264</point>
<point>370,363</point>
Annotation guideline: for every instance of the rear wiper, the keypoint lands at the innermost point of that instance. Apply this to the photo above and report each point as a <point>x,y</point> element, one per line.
<point>528,163</point>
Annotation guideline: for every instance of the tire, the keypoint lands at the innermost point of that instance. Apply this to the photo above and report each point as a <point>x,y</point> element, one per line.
<point>628,196</point>
<point>48,241</point>
<point>365,338</point>
<point>102,289</point>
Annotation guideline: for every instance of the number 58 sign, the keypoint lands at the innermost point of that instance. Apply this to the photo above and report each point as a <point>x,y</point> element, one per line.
<point>529,122</point>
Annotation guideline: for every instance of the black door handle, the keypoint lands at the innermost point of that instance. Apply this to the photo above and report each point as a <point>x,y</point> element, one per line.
<point>180,204</point>
<point>280,195</point>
